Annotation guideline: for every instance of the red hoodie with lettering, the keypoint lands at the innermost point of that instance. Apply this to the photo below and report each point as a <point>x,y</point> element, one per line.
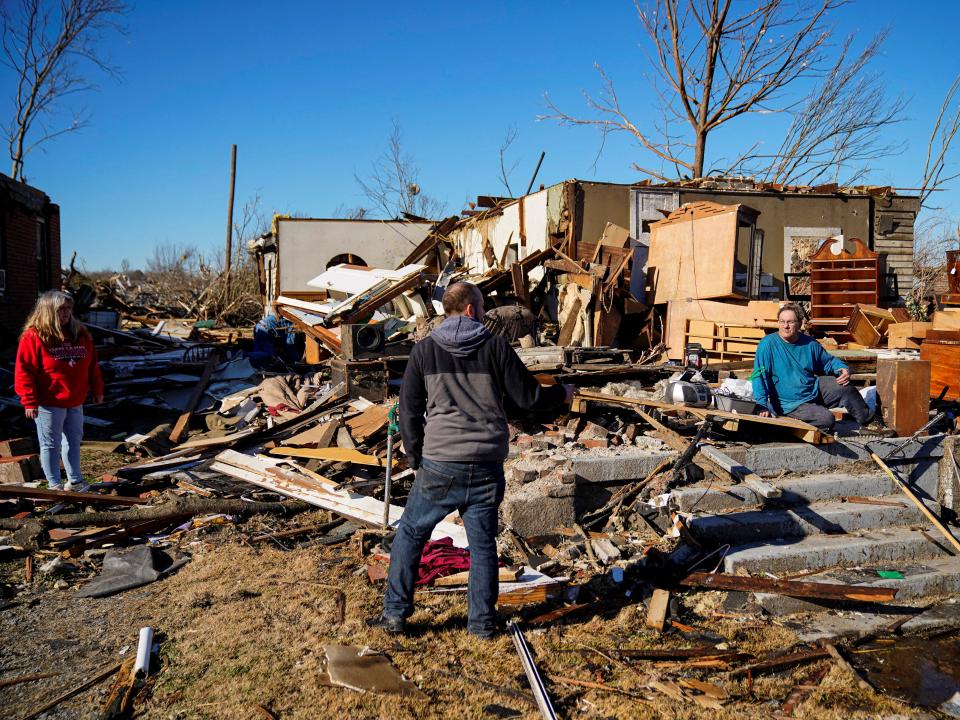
<point>56,376</point>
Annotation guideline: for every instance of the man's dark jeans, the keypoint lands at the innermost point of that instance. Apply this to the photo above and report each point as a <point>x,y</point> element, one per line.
<point>832,395</point>
<point>475,489</point>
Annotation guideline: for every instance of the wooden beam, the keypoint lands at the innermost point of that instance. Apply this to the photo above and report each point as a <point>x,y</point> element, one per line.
<point>20,491</point>
<point>918,502</point>
<point>212,361</point>
<point>801,429</point>
<point>337,454</point>
<point>791,588</point>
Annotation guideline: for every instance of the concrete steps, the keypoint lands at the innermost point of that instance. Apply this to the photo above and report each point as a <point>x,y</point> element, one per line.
<point>803,490</point>
<point>823,518</point>
<point>867,547</point>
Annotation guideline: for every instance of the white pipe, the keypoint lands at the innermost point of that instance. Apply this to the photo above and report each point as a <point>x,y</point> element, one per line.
<point>142,666</point>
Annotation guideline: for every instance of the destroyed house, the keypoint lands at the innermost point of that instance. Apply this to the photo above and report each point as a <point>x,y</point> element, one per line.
<point>29,251</point>
<point>791,222</point>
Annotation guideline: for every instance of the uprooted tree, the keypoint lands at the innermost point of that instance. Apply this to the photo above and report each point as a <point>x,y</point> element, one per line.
<point>52,48</point>
<point>714,61</point>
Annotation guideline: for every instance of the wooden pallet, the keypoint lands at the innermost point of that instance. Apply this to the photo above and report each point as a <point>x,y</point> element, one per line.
<point>726,342</point>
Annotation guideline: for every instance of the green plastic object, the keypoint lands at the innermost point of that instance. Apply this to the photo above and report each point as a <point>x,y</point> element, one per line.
<point>392,417</point>
<point>890,574</point>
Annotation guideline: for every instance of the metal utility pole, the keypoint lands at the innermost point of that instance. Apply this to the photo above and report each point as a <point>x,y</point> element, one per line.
<point>233,182</point>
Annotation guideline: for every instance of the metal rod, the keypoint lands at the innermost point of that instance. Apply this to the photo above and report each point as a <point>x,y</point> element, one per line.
<point>233,183</point>
<point>536,170</point>
<point>533,675</point>
<point>386,487</point>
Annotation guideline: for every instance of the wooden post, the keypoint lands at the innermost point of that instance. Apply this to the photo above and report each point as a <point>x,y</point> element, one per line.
<point>233,183</point>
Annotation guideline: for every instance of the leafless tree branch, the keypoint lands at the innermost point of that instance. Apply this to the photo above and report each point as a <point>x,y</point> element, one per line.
<point>941,138</point>
<point>393,185</point>
<point>508,139</point>
<point>49,47</point>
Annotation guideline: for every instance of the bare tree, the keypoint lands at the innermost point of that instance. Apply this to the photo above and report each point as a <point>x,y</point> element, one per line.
<point>393,186</point>
<point>934,236</point>
<point>837,127</point>
<point>349,213</point>
<point>508,139</point>
<point>941,138</point>
<point>51,50</point>
<point>713,62</point>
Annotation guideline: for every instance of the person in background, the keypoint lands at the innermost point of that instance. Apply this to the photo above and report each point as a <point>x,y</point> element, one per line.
<point>454,431</point>
<point>794,376</point>
<point>56,368</point>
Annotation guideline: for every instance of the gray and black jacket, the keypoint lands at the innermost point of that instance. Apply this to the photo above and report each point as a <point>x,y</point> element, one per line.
<point>451,401</point>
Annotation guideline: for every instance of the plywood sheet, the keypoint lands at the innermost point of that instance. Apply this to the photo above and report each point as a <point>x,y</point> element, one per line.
<point>693,258</point>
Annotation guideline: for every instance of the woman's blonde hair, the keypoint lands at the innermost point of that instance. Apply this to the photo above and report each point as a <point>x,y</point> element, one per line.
<point>43,319</point>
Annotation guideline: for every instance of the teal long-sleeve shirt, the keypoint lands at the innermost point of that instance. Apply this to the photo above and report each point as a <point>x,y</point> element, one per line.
<point>785,374</point>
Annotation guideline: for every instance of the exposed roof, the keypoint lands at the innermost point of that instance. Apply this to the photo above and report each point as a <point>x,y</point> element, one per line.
<point>31,198</point>
<point>699,210</point>
<point>738,184</point>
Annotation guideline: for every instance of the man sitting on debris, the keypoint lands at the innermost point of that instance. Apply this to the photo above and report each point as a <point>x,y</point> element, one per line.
<point>793,376</point>
<point>455,436</point>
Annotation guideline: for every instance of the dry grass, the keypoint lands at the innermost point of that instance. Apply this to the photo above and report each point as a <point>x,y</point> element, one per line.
<point>244,626</point>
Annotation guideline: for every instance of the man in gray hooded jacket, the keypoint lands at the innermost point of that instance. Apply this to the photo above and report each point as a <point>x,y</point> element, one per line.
<point>455,436</point>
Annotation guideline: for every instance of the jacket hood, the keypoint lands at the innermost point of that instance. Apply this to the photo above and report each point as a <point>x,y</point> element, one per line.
<point>460,335</point>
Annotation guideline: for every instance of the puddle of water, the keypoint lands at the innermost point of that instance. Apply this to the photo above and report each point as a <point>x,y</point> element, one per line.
<point>921,672</point>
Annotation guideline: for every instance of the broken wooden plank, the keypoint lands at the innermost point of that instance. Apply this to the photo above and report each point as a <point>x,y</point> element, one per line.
<point>779,663</point>
<point>369,422</point>
<point>741,473</point>
<point>847,667</point>
<point>7,682</point>
<point>321,435</point>
<point>657,609</point>
<point>937,523</point>
<point>29,493</point>
<point>802,430</point>
<point>184,420</point>
<point>821,591</point>
<point>99,677</point>
<point>336,454</point>
<point>505,574</point>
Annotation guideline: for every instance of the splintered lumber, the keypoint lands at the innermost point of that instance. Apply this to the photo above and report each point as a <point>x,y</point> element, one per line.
<point>742,473</point>
<point>268,473</point>
<point>779,663</point>
<point>917,501</point>
<point>7,682</point>
<point>665,653</point>
<point>505,574</point>
<point>184,420</point>
<point>802,430</point>
<point>99,677</point>
<point>336,454</point>
<point>321,435</point>
<point>847,667</point>
<point>657,609</point>
<point>29,493</point>
<point>369,422</point>
<point>820,591</point>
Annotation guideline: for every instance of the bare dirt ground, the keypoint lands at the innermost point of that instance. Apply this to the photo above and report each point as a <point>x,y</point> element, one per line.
<point>241,630</point>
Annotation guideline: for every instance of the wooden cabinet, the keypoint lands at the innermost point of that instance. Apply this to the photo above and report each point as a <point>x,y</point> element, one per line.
<point>838,281</point>
<point>903,387</point>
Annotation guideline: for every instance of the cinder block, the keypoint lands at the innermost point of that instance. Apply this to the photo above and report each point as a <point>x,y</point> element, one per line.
<point>20,469</point>
<point>17,446</point>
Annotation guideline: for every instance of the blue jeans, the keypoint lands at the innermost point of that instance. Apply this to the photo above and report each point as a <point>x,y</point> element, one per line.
<point>475,489</point>
<point>60,428</point>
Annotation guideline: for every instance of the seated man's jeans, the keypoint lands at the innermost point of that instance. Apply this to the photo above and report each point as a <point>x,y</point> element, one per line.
<point>832,395</point>
<point>475,489</point>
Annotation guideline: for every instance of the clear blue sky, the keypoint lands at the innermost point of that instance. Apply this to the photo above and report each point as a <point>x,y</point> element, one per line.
<point>308,90</point>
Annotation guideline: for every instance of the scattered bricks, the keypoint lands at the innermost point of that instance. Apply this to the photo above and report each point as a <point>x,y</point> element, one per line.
<point>524,474</point>
<point>605,550</point>
<point>592,430</point>
<point>16,446</point>
<point>630,432</point>
<point>20,469</point>
<point>524,441</point>
<point>562,491</point>
<point>569,478</point>
<point>574,425</point>
<point>530,442</point>
<point>595,443</point>
<point>554,434</point>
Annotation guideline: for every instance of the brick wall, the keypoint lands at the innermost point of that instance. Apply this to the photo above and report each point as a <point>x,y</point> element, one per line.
<point>19,258</point>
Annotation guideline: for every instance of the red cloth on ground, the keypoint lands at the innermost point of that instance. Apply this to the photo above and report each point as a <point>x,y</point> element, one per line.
<point>441,558</point>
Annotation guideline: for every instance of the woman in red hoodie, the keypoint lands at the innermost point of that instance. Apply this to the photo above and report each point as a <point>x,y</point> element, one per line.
<point>56,368</point>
